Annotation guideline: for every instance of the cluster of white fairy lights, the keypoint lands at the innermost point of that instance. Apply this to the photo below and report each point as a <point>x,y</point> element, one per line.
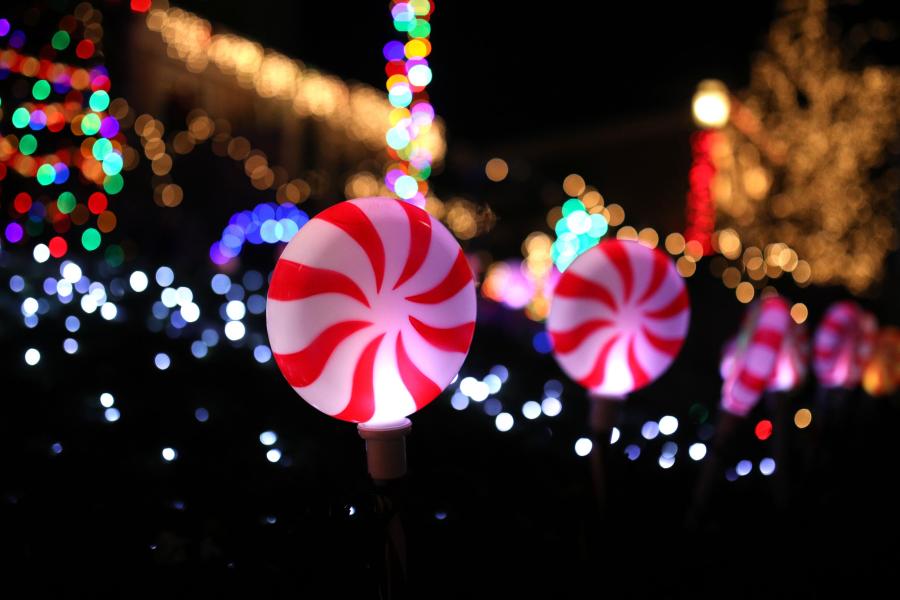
<point>471,391</point>
<point>177,309</point>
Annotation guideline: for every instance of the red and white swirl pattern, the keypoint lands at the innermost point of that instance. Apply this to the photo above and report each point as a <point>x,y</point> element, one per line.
<point>619,317</point>
<point>842,344</point>
<point>791,366</point>
<point>371,310</point>
<point>755,354</point>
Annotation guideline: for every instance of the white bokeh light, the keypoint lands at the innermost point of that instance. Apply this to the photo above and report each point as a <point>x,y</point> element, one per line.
<point>32,356</point>
<point>504,421</point>
<point>531,410</point>
<point>583,446</point>
<point>697,451</point>
<point>138,281</point>
<point>234,330</point>
<point>668,425</point>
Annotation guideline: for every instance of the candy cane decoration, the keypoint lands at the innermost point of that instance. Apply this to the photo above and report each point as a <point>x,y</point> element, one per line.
<point>371,310</point>
<point>836,346</point>
<point>618,318</point>
<point>755,355</point>
<point>791,366</point>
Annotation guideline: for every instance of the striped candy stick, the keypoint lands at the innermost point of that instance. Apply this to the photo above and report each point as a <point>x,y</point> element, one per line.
<point>755,355</point>
<point>791,364</point>
<point>836,345</point>
<point>370,313</point>
<point>747,367</point>
<point>842,342</point>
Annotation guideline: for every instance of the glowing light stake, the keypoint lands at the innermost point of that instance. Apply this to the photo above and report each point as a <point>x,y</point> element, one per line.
<point>408,74</point>
<point>370,314</point>
<point>746,375</point>
<point>619,317</point>
<point>788,375</point>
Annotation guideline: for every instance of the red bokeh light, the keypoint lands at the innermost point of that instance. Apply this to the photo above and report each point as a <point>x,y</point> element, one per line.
<point>140,5</point>
<point>22,203</point>
<point>763,429</point>
<point>84,49</point>
<point>58,247</point>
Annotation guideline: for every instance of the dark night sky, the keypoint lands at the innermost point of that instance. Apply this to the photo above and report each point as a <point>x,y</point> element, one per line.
<point>498,66</point>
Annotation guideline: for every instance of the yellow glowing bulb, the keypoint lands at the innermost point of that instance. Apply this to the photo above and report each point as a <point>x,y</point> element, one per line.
<point>711,104</point>
<point>799,312</point>
<point>685,267</point>
<point>744,292</point>
<point>802,418</point>
<point>574,185</point>
<point>675,243</point>
<point>496,169</point>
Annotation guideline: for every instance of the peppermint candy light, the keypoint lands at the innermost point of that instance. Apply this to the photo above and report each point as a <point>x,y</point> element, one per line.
<point>619,317</point>
<point>756,352</point>
<point>371,310</point>
<point>843,332</point>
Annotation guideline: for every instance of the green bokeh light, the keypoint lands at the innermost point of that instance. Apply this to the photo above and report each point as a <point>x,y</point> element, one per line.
<point>46,174</point>
<point>41,89</point>
<point>90,239</point>
<point>101,148</point>
<point>115,256</point>
<point>60,40</point>
<point>90,124</point>
<point>99,100</point>
<point>21,117</point>
<point>113,184</point>
<point>66,202</point>
<point>28,144</point>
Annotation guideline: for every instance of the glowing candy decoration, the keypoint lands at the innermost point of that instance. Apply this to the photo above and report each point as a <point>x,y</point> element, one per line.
<point>755,355</point>
<point>619,317</point>
<point>371,310</point>
<point>836,359</point>
<point>791,366</point>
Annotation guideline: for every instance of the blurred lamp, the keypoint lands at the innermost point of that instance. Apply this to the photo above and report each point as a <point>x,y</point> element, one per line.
<point>711,103</point>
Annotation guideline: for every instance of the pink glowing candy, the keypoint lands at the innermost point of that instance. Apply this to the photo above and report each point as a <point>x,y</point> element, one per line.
<point>371,310</point>
<point>618,318</point>
<point>791,365</point>
<point>843,343</point>
<point>755,354</point>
